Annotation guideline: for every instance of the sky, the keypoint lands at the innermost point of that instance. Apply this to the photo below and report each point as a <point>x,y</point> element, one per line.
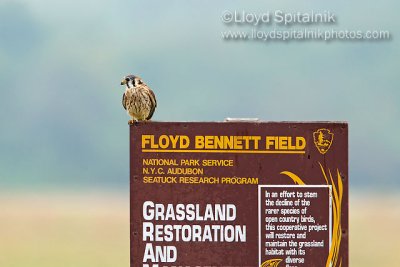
<point>61,63</point>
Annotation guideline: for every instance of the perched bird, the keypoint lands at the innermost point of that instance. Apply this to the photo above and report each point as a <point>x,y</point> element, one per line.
<point>138,100</point>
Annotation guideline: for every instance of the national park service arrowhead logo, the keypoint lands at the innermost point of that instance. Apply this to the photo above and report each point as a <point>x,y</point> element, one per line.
<point>323,139</point>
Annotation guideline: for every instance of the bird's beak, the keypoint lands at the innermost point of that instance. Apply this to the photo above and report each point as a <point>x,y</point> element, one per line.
<point>123,82</point>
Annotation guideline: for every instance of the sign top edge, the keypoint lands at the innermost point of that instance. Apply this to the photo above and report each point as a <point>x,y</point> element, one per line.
<point>345,123</point>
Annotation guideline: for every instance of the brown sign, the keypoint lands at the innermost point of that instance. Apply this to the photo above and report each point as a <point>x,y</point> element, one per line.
<point>239,194</point>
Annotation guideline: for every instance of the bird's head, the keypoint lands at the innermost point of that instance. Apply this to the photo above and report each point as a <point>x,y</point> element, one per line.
<point>131,81</point>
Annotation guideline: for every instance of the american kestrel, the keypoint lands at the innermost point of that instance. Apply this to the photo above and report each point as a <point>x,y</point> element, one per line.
<point>138,99</point>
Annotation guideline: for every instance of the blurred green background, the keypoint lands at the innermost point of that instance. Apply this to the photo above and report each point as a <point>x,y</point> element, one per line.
<point>64,134</point>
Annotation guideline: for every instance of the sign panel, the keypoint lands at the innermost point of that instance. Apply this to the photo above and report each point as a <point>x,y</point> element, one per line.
<point>239,194</point>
